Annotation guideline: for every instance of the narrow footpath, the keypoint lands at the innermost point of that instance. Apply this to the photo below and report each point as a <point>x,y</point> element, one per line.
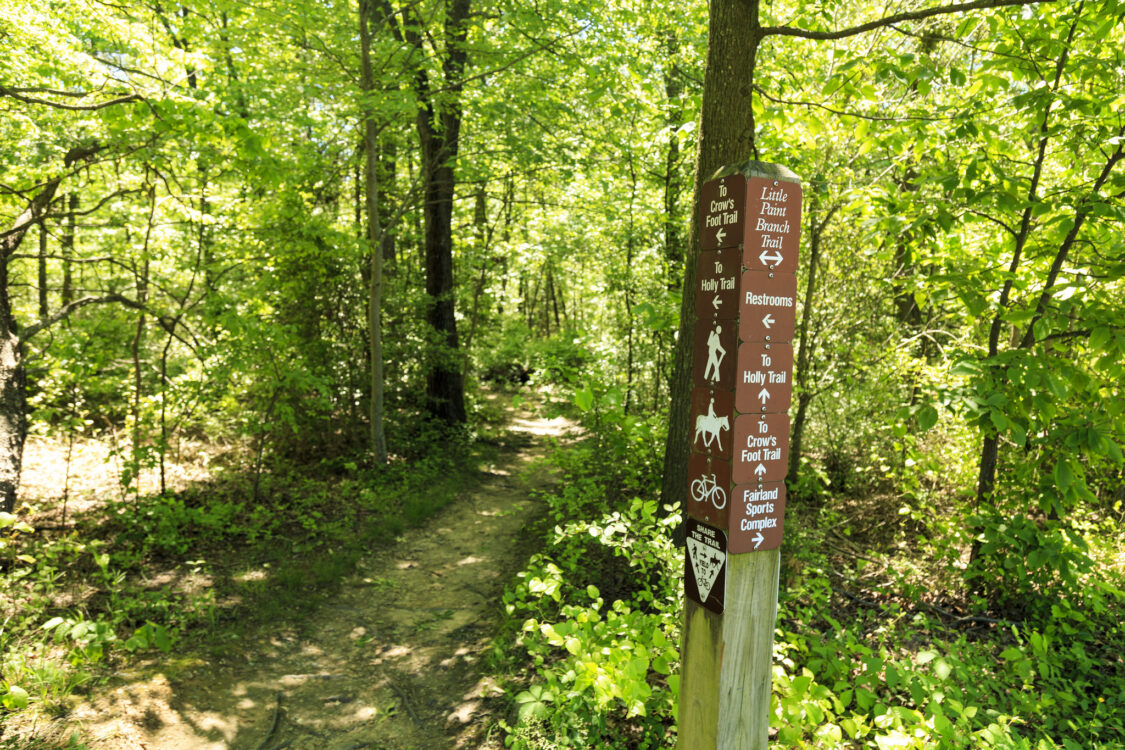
<point>393,662</point>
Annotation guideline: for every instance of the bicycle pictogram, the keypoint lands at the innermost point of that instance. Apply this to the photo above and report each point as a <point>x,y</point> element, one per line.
<point>706,489</point>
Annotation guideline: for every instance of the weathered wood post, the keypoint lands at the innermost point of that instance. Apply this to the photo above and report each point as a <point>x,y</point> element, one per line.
<point>745,305</point>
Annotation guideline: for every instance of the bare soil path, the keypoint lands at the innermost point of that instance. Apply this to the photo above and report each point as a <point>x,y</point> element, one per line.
<point>393,662</point>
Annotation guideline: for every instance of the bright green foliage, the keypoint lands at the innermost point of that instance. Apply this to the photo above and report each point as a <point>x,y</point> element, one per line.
<point>964,179</point>
<point>597,613</point>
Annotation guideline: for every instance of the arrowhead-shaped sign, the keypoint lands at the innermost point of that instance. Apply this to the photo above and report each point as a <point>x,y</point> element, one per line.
<point>706,561</point>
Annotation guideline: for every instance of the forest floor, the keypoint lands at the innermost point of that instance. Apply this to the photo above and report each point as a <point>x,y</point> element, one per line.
<point>396,659</point>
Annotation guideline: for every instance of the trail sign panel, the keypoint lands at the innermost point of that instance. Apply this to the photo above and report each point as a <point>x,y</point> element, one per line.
<point>757,517</point>
<point>705,581</point>
<point>716,293</point>
<point>773,230</point>
<point>764,378</point>
<point>767,306</point>
<point>716,350</point>
<point>709,489</point>
<point>722,208</point>
<point>712,417</point>
<point>761,448</point>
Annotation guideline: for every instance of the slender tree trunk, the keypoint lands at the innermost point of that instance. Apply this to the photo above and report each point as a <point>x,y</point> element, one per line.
<point>138,381</point>
<point>990,446</point>
<point>807,342</point>
<point>377,437</point>
<point>554,296</point>
<point>483,237</point>
<point>44,307</point>
<point>630,322</point>
<point>673,182</point>
<point>387,167</point>
<point>66,248</point>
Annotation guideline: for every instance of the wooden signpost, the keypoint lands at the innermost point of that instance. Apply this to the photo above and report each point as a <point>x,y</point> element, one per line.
<point>745,304</point>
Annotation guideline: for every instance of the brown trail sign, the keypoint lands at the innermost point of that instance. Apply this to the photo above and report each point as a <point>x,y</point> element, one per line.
<point>745,305</point>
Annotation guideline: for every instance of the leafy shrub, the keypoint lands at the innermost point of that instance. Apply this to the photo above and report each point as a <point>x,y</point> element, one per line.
<point>604,673</point>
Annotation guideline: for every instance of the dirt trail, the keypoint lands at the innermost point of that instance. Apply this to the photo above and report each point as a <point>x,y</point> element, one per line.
<point>393,662</point>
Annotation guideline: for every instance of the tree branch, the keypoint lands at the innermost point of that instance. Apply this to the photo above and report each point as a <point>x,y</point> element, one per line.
<point>17,95</point>
<point>1007,227</point>
<point>66,311</point>
<point>876,118</point>
<point>914,15</point>
<point>1064,249</point>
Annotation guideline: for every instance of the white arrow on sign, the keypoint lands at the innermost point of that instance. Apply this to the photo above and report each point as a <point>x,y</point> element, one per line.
<point>758,540</point>
<point>760,470</point>
<point>764,395</point>
<point>767,321</point>
<point>767,258</point>
<point>716,302</point>
<point>720,234</point>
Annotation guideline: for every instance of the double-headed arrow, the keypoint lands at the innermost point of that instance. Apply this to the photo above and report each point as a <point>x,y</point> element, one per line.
<point>768,258</point>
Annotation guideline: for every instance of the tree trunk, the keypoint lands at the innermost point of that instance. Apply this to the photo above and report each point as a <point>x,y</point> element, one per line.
<point>44,307</point>
<point>13,397</point>
<point>377,437</point>
<point>13,401</point>
<point>804,353</point>
<point>726,135</point>
<point>673,89</point>
<point>444,383</point>
<point>439,131</point>
<point>66,248</point>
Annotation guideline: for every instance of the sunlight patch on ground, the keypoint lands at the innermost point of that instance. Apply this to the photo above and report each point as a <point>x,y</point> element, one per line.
<point>557,426</point>
<point>251,575</point>
<point>95,472</point>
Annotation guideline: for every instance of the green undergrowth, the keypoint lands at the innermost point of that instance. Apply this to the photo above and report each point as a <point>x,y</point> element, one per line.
<point>861,658</point>
<point>882,669</point>
<point>591,646</point>
<point>167,576</point>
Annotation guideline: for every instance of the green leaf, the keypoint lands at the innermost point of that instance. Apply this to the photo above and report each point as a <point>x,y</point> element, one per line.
<point>927,417</point>
<point>965,367</point>
<point>584,399</point>
<point>1063,475</point>
<point>16,697</point>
